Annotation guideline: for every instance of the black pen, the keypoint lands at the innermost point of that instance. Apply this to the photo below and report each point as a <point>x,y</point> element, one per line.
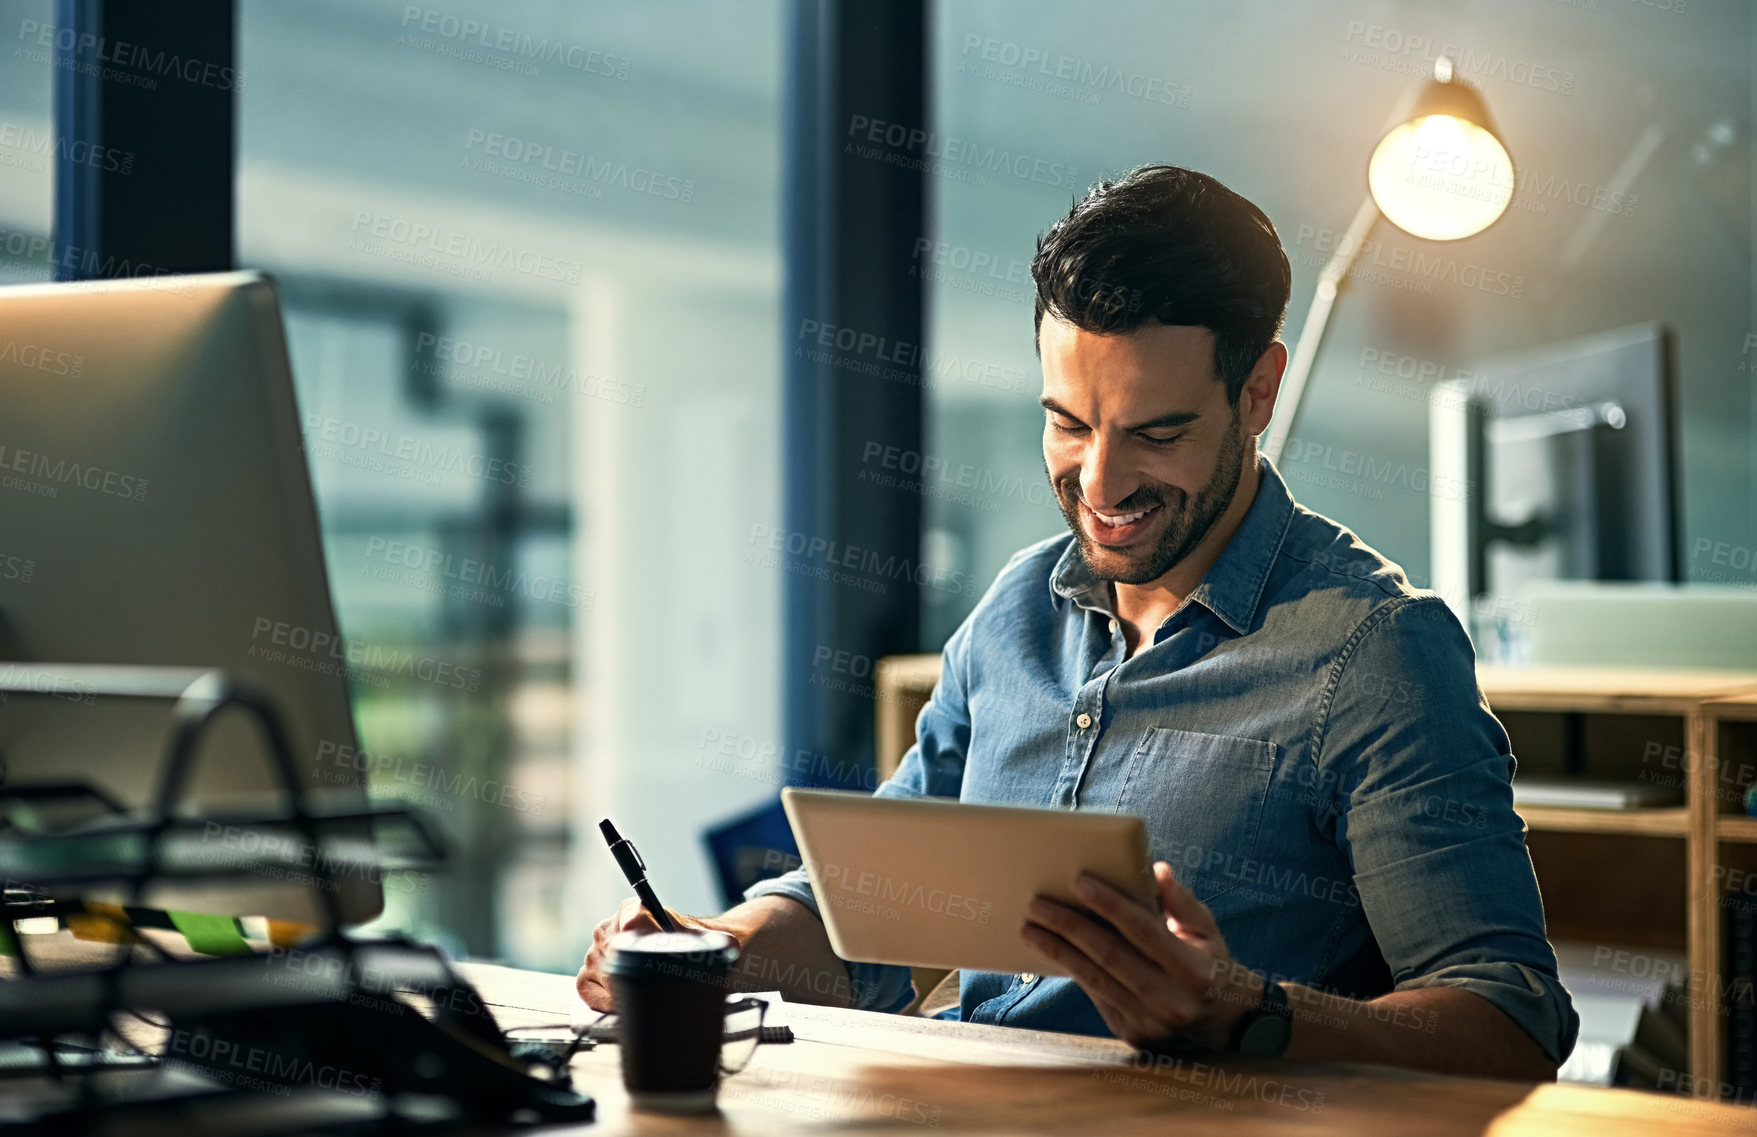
<point>635,870</point>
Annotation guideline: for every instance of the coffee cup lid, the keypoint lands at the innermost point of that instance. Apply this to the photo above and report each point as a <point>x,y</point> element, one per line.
<point>703,946</point>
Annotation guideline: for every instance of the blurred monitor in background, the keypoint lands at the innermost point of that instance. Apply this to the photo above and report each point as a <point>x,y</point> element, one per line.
<point>1553,464</point>
<point>158,511</point>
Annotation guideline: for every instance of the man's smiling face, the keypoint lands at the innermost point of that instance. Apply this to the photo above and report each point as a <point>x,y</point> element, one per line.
<point>1142,447</point>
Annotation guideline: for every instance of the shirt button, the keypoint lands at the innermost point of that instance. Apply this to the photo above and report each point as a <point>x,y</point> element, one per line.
<point>1113,625</point>
<point>1027,977</point>
<point>1084,721</point>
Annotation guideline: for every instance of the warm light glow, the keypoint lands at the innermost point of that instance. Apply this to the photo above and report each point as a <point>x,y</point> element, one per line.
<point>1441,178</point>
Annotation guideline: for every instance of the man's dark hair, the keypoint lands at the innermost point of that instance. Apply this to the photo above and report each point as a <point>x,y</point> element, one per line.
<point>1168,244</point>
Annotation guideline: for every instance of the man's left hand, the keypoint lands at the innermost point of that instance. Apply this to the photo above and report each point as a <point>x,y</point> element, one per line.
<point>1152,974</point>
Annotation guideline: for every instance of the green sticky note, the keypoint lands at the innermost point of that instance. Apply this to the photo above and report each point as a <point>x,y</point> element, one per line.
<point>210,935</point>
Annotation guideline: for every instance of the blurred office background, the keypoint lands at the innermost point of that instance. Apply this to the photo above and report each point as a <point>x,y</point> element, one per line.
<point>628,362</point>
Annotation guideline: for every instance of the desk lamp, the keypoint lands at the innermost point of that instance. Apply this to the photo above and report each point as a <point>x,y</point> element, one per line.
<point>1441,173</point>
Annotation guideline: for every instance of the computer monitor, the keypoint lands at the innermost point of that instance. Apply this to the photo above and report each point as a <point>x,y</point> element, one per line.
<point>1555,464</point>
<point>157,509</point>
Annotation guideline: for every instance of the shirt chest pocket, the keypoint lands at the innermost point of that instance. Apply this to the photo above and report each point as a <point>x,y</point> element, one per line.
<point>1202,796</point>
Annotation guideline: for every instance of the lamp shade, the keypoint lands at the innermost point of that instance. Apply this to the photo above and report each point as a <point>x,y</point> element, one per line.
<point>1443,173</point>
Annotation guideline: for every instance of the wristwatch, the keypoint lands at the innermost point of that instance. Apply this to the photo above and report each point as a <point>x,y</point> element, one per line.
<point>1265,1030</point>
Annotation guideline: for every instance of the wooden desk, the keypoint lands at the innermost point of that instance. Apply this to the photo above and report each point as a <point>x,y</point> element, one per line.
<point>856,1071</point>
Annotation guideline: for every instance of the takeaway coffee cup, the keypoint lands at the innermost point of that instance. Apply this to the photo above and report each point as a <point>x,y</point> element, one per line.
<point>672,1017</point>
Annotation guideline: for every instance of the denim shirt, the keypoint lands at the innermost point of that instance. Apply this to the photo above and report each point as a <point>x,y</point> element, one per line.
<point>1307,743</point>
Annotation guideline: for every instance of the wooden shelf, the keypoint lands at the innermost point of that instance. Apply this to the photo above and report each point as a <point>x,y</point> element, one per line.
<point>1665,822</point>
<point>1736,708</point>
<point>1733,827</point>
<point>1629,690</point>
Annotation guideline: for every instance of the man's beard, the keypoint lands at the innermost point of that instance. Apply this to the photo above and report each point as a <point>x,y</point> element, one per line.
<point>1187,520</point>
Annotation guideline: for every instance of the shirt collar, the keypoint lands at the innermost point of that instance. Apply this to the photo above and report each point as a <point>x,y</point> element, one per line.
<point>1233,587</point>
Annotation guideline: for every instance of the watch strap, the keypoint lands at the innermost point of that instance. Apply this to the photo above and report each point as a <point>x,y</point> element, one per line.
<point>1274,1005</point>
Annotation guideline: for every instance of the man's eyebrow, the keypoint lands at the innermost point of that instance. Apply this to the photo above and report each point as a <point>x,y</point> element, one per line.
<point>1176,418</point>
<point>1180,418</point>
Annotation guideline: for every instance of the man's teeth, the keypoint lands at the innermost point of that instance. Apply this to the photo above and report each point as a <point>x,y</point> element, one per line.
<point>1121,519</point>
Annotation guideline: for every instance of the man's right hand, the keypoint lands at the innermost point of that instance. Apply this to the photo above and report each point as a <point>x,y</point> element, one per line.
<point>781,944</point>
<point>593,983</point>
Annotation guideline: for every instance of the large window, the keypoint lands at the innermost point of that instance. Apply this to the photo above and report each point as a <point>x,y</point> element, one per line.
<point>27,144</point>
<point>529,259</point>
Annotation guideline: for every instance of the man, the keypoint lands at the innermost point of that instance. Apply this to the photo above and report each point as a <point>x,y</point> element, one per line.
<point>1341,872</point>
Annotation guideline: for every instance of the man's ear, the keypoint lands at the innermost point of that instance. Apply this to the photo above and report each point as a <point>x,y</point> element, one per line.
<point>1256,402</point>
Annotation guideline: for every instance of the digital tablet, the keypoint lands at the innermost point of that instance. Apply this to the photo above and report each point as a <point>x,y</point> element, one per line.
<point>935,883</point>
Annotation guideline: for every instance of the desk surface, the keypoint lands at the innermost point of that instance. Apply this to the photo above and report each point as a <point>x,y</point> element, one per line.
<point>851,1070</point>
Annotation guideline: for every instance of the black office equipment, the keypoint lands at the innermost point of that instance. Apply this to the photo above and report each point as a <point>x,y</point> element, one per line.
<point>357,1030</point>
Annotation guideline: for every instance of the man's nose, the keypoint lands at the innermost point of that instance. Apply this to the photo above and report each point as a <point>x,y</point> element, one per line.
<point>1105,478</point>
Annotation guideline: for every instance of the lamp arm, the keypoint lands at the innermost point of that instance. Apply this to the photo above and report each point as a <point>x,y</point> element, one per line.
<point>1311,334</point>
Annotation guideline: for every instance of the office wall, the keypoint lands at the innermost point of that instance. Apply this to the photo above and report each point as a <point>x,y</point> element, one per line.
<point>1284,102</point>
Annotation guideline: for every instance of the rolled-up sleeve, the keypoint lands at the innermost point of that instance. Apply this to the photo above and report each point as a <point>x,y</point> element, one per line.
<point>1424,775</point>
<point>933,767</point>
